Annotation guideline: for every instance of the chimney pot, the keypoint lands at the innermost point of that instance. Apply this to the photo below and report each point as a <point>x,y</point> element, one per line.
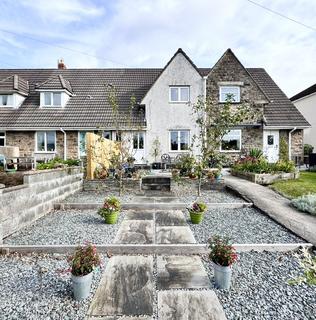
<point>61,64</point>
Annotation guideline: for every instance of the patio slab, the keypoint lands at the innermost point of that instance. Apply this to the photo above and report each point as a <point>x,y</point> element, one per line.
<point>170,218</point>
<point>185,305</point>
<point>174,234</point>
<point>176,272</point>
<point>139,215</point>
<point>135,232</point>
<point>125,289</point>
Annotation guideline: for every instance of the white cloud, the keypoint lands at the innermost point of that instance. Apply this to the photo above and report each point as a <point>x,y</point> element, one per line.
<point>146,33</point>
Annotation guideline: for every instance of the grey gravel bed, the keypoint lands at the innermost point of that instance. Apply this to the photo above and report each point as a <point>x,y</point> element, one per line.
<point>260,290</point>
<point>67,227</point>
<point>38,287</point>
<point>245,225</point>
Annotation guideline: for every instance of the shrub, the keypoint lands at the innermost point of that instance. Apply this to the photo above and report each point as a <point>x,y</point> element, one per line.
<point>306,203</point>
<point>110,205</point>
<point>284,150</point>
<point>255,153</point>
<point>57,163</point>
<point>222,252</point>
<point>308,149</point>
<point>84,260</point>
<point>186,164</point>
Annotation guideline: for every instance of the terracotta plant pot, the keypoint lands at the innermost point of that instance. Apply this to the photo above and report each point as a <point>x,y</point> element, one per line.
<point>196,218</point>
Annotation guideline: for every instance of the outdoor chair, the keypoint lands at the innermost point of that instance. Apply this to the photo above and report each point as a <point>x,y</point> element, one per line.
<point>165,159</point>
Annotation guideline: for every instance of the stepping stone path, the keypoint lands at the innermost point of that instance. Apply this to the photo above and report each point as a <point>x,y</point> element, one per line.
<point>128,287</point>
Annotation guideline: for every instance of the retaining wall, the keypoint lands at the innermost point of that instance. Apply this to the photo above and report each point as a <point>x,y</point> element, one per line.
<point>21,205</point>
<point>110,184</point>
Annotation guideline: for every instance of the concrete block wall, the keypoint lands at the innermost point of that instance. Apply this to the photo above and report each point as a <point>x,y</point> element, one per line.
<point>22,205</point>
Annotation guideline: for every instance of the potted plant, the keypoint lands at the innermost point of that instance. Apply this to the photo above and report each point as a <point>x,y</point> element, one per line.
<point>222,255</point>
<point>217,175</point>
<point>197,210</point>
<point>110,210</point>
<point>82,263</point>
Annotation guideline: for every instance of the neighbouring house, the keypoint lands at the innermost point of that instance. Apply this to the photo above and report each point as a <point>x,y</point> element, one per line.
<point>305,102</point>
<point>47,112</point>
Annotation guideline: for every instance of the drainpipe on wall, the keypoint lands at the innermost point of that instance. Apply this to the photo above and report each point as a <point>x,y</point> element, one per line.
<point>65,143</point>
<point>290,143</point>
<point>204,99</point>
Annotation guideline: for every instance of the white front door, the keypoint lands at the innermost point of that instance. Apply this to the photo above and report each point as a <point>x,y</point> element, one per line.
<point>271,145</point>
<point>139,147</point>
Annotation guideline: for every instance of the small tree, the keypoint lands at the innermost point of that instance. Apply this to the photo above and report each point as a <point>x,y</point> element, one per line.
<point>214,121</point>
<point>156,148</point>
<point>284,150</point>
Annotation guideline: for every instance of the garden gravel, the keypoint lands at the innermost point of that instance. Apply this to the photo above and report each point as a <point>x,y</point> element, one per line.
<point>67,227</point>
<point>37,287</point>
<point>244,225</point>
<point>260,290</point>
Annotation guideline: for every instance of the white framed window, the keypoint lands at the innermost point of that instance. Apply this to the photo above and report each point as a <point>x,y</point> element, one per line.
<point>179,140</point>
<point>231,141</point>
<point>6,100</point>
<point>2,139</point>
<point>138,140</point>
<point>51,99</point>
<point>179,94</point>
<point>231,93</point>
<point>45,141</point>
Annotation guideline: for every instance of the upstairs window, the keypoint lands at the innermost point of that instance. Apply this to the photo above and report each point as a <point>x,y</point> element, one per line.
<point>231,141</point>
<point>229,93</point>
<point>6,100</point>
<point>2,139</point>
<point>179,94</point>
<point>51,99</point>
<point>179,140</point>
<point>45,141</point>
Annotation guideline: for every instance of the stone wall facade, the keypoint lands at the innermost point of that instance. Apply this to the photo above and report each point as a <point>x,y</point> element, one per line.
<point>297,144</point>
<point>22,205</point>
<point>25,141</point>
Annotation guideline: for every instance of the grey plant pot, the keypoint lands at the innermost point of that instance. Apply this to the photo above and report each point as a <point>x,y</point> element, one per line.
<point>222,276</point>
<point>81,286</point>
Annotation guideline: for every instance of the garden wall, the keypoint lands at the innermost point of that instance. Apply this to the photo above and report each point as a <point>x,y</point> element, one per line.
<point>22,205</point>
<point>110,184</point>
<point>265,178</point>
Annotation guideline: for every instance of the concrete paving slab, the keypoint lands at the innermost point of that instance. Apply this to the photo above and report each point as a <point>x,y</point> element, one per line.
<point>126,288</point>
<point>119,318</point>
<point>135,232</point>
<point>139,215</point>
<point>170,218</point>
<point>176,272</point>
<point>189,305</point>
<point>175,234</point>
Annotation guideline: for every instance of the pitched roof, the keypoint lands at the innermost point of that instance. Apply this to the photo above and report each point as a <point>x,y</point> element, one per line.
<point>304,93</point>
<point>89,108</point>
<point>14,83</point>
<point>280,111</point>
<point>56,82</point>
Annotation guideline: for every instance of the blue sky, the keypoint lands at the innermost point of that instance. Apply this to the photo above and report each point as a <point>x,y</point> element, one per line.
<point>146,33</point>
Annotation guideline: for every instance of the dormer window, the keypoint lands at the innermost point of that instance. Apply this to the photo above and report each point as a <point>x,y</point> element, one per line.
<point>6,100</point>
<point>51,99</point>
<point>229,93</point>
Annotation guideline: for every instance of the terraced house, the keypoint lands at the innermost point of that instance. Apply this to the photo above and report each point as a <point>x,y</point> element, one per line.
<point>47,112</point>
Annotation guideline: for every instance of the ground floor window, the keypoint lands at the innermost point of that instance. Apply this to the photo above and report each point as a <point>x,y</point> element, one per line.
<point>82,143</point>
<point>46,141</point>
<point>179,140</point>
<point>2,139</point>
<point>231,141</point>
<point>138,140</point>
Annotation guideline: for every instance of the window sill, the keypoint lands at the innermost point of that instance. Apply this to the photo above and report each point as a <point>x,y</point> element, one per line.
<point>179,102</point>
<point>50,152</point>
<point>230,151</point>
<point>51,107</point>
<point>178,151</point>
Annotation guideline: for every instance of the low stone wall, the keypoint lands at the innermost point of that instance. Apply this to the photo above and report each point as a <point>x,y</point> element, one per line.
<point>110,184</point>
<point>22,205</point>
<point>265,178</point>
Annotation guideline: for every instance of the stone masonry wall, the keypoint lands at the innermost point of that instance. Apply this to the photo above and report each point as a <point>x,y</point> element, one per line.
<point>25,140</point>
<point>297,143</point>
<point>22,205</point>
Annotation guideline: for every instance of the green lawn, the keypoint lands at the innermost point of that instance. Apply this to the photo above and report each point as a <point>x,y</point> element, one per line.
<point>294,188</point>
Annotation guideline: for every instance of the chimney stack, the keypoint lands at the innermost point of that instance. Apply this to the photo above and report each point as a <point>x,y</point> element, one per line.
<point>60,64</point>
